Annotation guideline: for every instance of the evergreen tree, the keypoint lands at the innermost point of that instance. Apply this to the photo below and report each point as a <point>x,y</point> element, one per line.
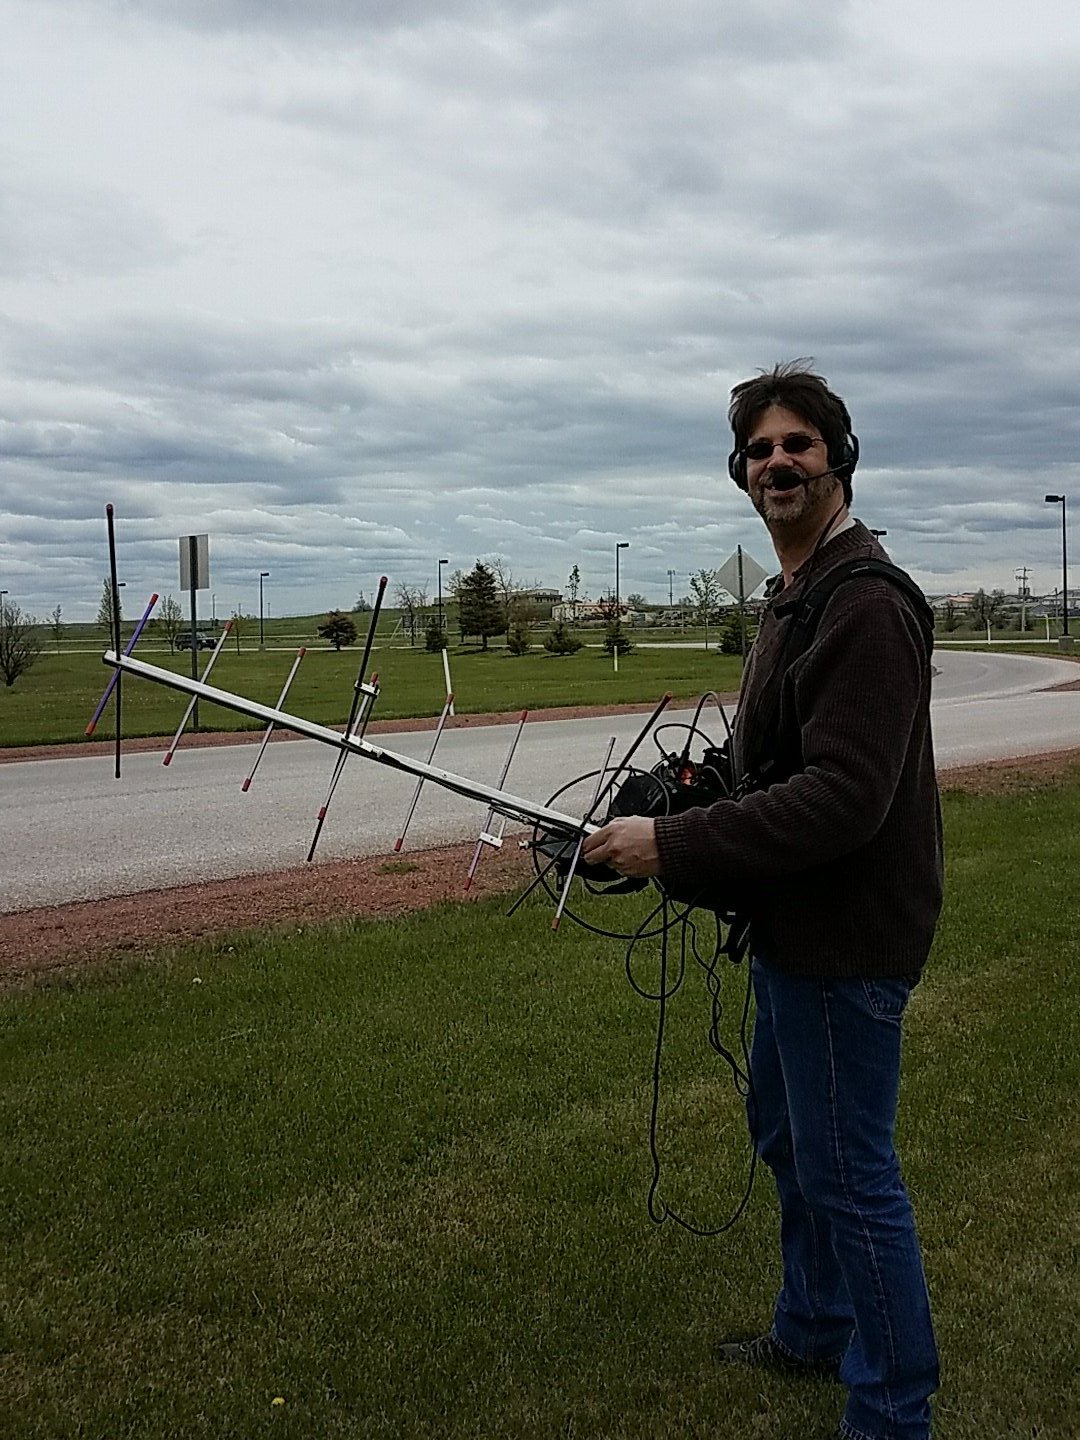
<point>559,641</point>
<point>434,636</point>
<point>338,628</point>
<point>517,636</point>
<point>616,638</point>
<point>479,610</point>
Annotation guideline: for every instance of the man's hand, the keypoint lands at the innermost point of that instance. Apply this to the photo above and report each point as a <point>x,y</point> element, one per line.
<point>627,845</point>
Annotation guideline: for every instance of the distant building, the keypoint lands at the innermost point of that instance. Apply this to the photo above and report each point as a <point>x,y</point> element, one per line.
<point>539,595</point>
<point>585,612</point>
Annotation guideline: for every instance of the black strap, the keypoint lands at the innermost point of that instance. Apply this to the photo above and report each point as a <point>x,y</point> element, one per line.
<point>771,758</point>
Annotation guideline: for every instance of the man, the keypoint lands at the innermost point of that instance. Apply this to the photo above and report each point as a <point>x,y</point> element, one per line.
<point>837,852</point>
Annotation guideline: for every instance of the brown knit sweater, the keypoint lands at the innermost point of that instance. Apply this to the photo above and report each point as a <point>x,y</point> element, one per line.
<point>839,865</point>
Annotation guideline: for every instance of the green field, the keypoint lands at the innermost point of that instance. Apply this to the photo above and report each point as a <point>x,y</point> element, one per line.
<point>53,702</point>
<point>394,1174</point>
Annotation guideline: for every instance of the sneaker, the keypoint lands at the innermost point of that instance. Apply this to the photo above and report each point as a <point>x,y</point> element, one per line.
<point>763,1351</point>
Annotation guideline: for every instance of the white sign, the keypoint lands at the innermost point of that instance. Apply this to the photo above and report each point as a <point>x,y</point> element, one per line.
<point>195,549</point>
<point>743,585</point>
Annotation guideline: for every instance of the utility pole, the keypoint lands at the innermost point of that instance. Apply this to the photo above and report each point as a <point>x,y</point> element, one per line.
<point>1023,592</point>
<point>670,588</point>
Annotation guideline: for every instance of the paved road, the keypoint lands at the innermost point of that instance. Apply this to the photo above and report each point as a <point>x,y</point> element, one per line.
<point>75,833</point>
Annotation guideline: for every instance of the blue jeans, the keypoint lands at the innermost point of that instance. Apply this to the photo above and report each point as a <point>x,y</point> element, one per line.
<point>826,1074</point>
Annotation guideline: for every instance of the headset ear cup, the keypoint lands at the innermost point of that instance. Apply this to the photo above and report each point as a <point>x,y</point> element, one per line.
<point>851,458</point>
<point>846,458</point>
<point>845,466</point>
<point>736,468</point>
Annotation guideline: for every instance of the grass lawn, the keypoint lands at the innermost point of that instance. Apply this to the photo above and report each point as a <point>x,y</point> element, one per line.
<point>394,1174</point>
<point>54,700</point>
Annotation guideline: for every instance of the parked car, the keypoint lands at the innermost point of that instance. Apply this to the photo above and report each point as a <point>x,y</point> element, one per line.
<point>202,642</point>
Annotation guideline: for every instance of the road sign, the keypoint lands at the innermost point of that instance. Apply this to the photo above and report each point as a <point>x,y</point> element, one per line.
<point>194,562</point>
<point>740,574</point>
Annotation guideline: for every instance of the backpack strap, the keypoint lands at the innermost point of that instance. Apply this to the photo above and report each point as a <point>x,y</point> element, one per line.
<point>774,757</point>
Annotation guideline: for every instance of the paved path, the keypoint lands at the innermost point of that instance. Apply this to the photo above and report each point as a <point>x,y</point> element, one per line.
<point>75,833</point>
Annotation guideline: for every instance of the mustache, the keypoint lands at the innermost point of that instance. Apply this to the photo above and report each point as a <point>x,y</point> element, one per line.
<point>786,479</point>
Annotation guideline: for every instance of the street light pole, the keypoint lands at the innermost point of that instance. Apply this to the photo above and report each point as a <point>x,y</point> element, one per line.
<point>1060,500</point>
<point>442,630</point>
<point>670,588</point>
<point>263,575</point>
<point>621,545</point>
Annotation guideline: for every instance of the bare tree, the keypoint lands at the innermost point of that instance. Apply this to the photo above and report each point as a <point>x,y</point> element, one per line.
<point>170,620</point>
<point>705,588</point>
<point>412,601</point>
<point>20,642</point>
<point>505,583</point>
<point>987,609</point>
<point>56,625</point>
<point>574,592</point>
<point>104,614</point>
<point>240,621</point>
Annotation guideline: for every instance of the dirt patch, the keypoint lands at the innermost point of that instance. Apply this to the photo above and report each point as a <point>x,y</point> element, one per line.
<point>1009,777</point>
<point>60,937</point>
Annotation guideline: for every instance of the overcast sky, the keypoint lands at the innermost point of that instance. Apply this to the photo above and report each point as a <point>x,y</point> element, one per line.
<point>354,285</point>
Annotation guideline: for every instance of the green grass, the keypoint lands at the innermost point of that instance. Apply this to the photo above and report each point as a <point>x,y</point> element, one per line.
<point>1003,647</point>
<point>395,1174</point>
<point>53,702</point>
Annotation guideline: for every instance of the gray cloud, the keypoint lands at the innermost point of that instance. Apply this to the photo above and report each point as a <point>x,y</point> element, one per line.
<point>477,278</point>
<point>62,234</point>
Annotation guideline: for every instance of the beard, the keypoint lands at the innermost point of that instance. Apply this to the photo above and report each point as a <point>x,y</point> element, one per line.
<point>792,507</point>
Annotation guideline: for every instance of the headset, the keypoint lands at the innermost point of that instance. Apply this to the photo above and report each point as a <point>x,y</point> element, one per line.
<point>842,464</point>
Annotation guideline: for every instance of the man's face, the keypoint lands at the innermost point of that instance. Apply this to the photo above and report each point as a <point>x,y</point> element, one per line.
<point>804,505</point>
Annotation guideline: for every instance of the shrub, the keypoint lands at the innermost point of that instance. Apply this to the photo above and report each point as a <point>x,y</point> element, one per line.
<point>731,637</point>
<point>517,638</point>
<point>559,641</point>
<point>434,636</point>
<point>616,640</point>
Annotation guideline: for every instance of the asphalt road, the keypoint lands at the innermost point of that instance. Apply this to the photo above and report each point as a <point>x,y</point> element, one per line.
<point>75,833</point>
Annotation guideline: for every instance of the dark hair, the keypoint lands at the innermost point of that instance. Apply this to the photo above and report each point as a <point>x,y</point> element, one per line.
<point>796,387</point>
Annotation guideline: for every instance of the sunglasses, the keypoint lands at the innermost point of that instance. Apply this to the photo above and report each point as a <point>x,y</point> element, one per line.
<point>791,445</point>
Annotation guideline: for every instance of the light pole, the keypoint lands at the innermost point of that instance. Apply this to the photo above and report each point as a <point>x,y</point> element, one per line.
<point>119,586</point>
<point>263,575</point>
<point>441,627</point>
<point>213,612</point>
<point>879,533</point>
<point>1060,500</point>
<point>620,545</point>
<point>670,588</point>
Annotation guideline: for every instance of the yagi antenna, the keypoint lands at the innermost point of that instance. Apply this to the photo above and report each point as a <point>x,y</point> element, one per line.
<point>270,728</point>
<point>488,834</point>
<point>115,677</point>
<point>447,707</point>
<point>194,700</point>
<point>565,894</point>
<point>114,591</point>
<point>364,695</point>
<point>514,807</point>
